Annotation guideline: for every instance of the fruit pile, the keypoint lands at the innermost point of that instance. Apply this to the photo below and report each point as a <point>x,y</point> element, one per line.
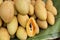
<point>23,18</point>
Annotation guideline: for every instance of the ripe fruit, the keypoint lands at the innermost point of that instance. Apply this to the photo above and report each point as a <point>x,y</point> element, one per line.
<point>33,2</point>
<point>31,11</point>
<point>12,26</point>
<point>50,18</point>
<point>42,24</point>
<point>4,34</point>
<point>1,1</point>
<point>7,11</point>
<point>21,33</point>
<point>40,11</point>
<point>50,7</point>
<point>23,19</point>
<point>22,6</point>
<point>32,27</point>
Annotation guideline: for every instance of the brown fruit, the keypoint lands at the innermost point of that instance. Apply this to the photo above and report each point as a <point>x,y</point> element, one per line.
<point>7,11</point>
<point>42,2</point>
<point>32,27</point>
<point>50,18</point>
<point>33,2</point>
<point>1,1</point>
<point>31,11</point>
<point>40,11</point>
<point>22,6</point>
<point>12,26</point>
<point>42,24</point>
<point>23,19</point>
<point>50,7</point>
<point>4,34</point>
<point>21,33</point>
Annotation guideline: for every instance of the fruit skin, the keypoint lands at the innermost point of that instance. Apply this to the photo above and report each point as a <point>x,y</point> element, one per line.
<point>33,2</point>
<point>42,24</point>
<point>32,27</point>
<point>42,2</point>
<point>22,6</point>
<point>50,7</point>
<point>1,22</point>
<point>4,34</point>
<point>12,26</point>
<point>31,11</point>
<point>50,18</point>
<point>7,11</point>
<point>21,33</point>
<point>40,11</point>
<point>1,1</point>
<point>23,19</point>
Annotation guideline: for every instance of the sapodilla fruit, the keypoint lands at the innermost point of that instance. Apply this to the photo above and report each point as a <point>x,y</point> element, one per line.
<point>40,11</point>
<point>7,11</point>
<point>4,34</point>
<point>50,7</point>
<point>50,18</point>
<point>42,24</point>
<point>21,33</point>
<point>22,6</point>
<point>12,26</point>
<point>32,27</point>
<point>23,19</point>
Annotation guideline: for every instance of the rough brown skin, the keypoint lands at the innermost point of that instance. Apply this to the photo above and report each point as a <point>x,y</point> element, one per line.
<point>32,28</point>
<point>23,19</point>
<point>22,6</point>
<point>40,10</point>
<point>42,24</point>
<point>50,7</point>
<point>12,26</point>
<point>7,11</point>
<point>21,33</point>
<point>4,34</point>
<point>50,18</point>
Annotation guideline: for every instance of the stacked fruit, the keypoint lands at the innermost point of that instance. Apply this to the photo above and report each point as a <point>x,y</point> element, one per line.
<point>24,17</point>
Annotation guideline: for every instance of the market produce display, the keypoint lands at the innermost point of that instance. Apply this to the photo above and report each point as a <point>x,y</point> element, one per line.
<point>25,19</point>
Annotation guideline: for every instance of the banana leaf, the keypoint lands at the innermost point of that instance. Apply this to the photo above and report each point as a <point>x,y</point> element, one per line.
<point>52,31</point>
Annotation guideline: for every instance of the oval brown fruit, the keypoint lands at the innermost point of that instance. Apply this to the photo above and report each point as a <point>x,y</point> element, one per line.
<point>7,11</point>
<point>23,19</point>
<point>50,7</point>
<point>12,26</point>
<point>4,34</point>
<point>40,11</point>
<point>21,33</point>
<point>42,24</point>
<point>22,6</point>
<point>50,18</point>
<point>32,27</point>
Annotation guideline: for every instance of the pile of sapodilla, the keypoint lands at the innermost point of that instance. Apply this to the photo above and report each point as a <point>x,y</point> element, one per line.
<point>30,14</point>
